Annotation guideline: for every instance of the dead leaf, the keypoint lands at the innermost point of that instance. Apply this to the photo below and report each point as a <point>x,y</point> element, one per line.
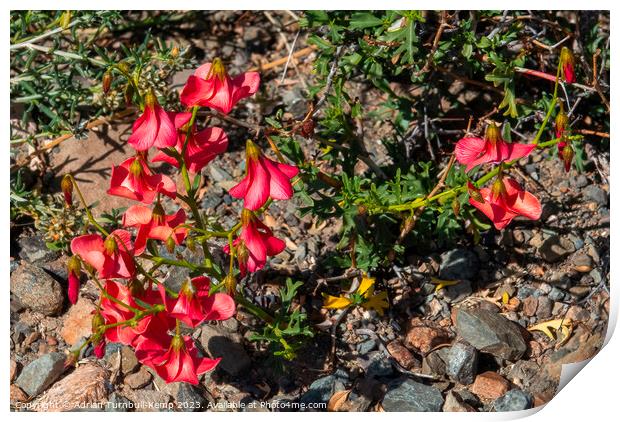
<point>337,400</point>
<point>562,325</point>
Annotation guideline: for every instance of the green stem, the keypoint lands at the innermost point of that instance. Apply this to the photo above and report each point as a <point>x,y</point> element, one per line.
<point>254,310</point>
<point>85,205</point>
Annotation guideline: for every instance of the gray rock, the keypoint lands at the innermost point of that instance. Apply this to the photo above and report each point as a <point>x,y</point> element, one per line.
<point>129,362</point>
<point>118,403</point>
<point>34,250</point>
<point>556,295</point>
<point>321,390</point>
<point>490,332</point>
<point>379,365</point>
<point>581,181</point>
<point>220,343</point>
<point>218,174</point>
<point>37,290</point>
<point>595,194</point>
<point>513,400</point>
<point>191,398</point>
<point>41,373</point>
<point>410,396</point>
<point>458,292</point>
<point>458,264</point>
<point>545,307</point>
<point>435,361</point>
<point>462,363</point>
<point>554,248</point>
<point>366,346</point>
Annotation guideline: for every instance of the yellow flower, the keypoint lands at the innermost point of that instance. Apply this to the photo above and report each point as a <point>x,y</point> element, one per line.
<point>365,292</point>
<point>336,302</point>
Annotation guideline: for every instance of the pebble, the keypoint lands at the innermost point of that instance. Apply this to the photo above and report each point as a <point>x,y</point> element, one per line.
<point>13,370</point>
<point>529,306</point>
<point>454,403</point>
<point>556,294</point>
<point>321,390</point>
<point>378,365</point>
<point>458,264</point>
<point>582,263</point>
<point>402,355</point>
<point>138,379</point>
<point>544,308</point>
<point>424,335</point>
<point>490,333</point>
<point>596,194</point>
<point>17,396</point>
<point>37,290</point>
<point>86,388</point>
<point>490,385</point>
<point>366,346</point>
<point>457,292</point>
<point>406,395</point>
<point>191,398</point>
<point>118,403</point>
<point>34,250</point>
<point>462,363</point>
<point>150,400</point>
<point>220,343</point>
<point>554,248</point>
<point>41,373</point>
<point>129,362</point>
<point>513,400</point>
<point>78,322</point>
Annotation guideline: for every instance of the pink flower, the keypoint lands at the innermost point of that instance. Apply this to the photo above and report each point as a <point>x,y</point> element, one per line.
<point>566,154</point>
<point>506,200</point>
<point>255,243</point>
<point>491,149</point>
<point>175,359</point>
<point>111,258</point>
<point>154,224</point>
<point>134,179</point>
<point>264,178</point>
<point>99,349</point>
<point>195,305</point>
<point>210,86</point>
<point>153,128</point>
<point>202,146</point>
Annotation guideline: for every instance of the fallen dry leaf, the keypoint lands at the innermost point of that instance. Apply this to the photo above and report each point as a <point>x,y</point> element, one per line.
<point>337,400</point>
<point>562,325</point>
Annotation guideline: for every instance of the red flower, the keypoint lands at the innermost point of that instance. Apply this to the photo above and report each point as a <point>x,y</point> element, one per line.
<point>264,178</point>
<point>111,258</point>
<point>567,63</point>
<point>153,128</point>
<point>134,179</point>
<point>491,149</point>
<point>506,200</point>
<point>154,224</point>
<point>73,268</point>
<point>202,146</point>
<point>195,305</point>
<point>255,243</point>
<point>210,86</point>
<point>113,312</point>
<point>175,359</point>
<point>99,349</point>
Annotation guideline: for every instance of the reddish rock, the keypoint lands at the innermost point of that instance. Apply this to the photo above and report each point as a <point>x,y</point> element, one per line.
<point>402,355</point>
<point>17,395</point>
<point>530,305</point>
<point>490,385</point>
<point>86,386</point>
<point>78,323</point>
<point>423,335</point>
<point>13,370</point>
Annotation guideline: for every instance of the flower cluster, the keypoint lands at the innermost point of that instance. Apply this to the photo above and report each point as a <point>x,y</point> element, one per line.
<point>506,199</point>
<point>135,309</point>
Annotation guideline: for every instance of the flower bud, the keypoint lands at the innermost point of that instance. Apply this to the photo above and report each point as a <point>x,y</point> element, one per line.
<point>493,133</point>
<point>110,245</point>
<point>567,156</point>
<point>99,349</point>
<point>135,287</point>
<point>74,267</point>
<point>307,129</point>
<point>170,244</point>
<point>230,282</point>
<point>123,67</point>
<point>128,94</point>
<point>474,193</point>
<point>66,185</point>
<point>567,65</point>
<point>456,207</point>
<point>561,122</point>
<point>106,82</point>
<point>158,214</point>
<point>217,70</point>
<point>97,322</point>
<point>174,53</point>
<point>498,189</point>
<point>190,243</point>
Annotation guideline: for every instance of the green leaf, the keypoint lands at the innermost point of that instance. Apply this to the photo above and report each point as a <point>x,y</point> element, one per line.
<point>363,20</point>
<point>467,50</point>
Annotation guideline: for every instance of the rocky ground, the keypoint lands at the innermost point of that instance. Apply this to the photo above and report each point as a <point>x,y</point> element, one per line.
<point>465,347</point>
